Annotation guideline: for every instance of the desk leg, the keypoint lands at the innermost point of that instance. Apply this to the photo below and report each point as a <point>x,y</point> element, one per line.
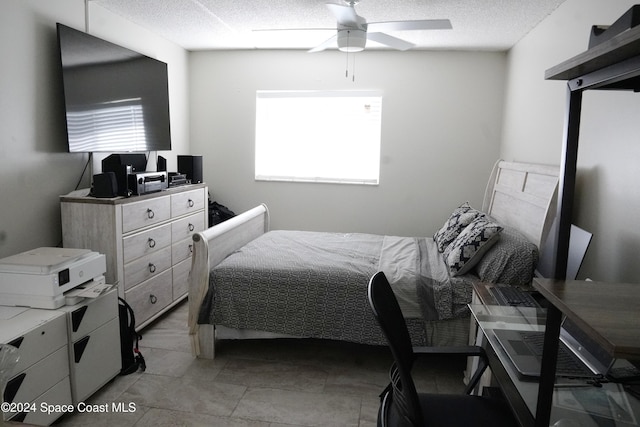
<point>548,369</point>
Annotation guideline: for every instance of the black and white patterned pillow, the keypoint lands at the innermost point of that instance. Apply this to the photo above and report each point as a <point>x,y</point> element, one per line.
<point>471,244</point>
<point>461,217</point>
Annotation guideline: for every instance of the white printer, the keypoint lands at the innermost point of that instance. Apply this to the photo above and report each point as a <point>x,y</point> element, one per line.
<point>40,277</point>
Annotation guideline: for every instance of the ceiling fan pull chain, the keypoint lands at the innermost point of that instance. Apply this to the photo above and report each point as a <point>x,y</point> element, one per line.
<point>346,72</point>
<point>353,69</point>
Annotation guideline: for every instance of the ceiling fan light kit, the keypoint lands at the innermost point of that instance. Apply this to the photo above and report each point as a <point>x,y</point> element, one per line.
<point>353,40</point>
<point>353,30</point>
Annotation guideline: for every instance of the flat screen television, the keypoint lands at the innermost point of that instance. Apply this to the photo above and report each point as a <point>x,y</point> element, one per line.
<point>116,99</point>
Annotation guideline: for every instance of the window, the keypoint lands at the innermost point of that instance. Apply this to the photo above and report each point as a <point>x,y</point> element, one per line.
<point>318,136</point>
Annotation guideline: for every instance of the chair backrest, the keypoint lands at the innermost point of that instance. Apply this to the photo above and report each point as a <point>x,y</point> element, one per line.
<point>404,399</point>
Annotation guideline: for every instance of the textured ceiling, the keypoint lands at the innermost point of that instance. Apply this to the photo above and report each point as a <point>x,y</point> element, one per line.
<point>232,24</point>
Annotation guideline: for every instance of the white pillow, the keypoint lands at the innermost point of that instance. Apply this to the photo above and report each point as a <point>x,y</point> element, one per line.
<point>460,218</point>
<point>471,244</point>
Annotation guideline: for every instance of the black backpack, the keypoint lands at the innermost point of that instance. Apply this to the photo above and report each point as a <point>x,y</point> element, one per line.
<point>219,213</point>
<point>132,359</point>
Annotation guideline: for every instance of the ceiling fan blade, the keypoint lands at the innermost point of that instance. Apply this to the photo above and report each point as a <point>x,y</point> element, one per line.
<point>322,46</point>
<point>426,24</point>
<point>390,41</point>
<point>290,30</point>
<point>346,15</point>
<point>291,38</point>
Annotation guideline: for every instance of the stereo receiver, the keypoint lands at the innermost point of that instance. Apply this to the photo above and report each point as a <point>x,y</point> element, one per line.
<point>147,182</point>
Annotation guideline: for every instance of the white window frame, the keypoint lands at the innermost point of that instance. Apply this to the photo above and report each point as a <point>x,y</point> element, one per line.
<point>343,130</point>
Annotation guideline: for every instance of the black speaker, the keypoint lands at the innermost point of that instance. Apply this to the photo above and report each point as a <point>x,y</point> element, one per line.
<point>122,179</point>
<point>137,161</point>
<point>122,165</point>
<point>105,185</point>
<point>162,164</point>
<point>191,166</point>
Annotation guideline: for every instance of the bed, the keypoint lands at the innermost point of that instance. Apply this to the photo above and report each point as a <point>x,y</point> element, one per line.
<point>248,281</point>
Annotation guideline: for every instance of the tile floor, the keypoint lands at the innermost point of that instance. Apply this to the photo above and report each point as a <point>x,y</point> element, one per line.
<point>263,383</point>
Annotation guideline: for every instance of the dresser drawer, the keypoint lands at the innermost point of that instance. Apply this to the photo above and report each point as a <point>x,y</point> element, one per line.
<point>146,242</point>
<point>187,202</point>
<point>181,250</point>
<point>145,213</point>
<point>181,278</point>
<point>151,296</point>
<point>185,227</point>
<point>40,341</point>
<point>146,267</point>
<point>39,377</point>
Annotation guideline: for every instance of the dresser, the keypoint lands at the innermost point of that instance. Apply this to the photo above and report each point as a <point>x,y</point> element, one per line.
<point>146,240</point>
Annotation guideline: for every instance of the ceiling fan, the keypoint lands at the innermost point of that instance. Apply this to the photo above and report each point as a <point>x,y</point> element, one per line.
<point>353,31</point>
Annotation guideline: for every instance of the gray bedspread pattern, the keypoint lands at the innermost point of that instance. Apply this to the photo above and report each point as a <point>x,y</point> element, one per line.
<point>440,295</point>
<point>312,284</point>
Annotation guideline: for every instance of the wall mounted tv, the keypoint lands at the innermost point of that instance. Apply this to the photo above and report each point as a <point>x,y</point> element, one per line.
<point>116,100</point>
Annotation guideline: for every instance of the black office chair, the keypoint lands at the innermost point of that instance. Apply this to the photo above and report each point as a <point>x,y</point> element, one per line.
<point>401,405</point>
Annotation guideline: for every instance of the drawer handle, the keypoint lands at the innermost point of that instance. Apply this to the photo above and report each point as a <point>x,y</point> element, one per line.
<point>150,214</point>
<point>191,227</point>
<point>153,299</point>
<point>151,242</point>
<point>191,203</point>
<point>152,268</point>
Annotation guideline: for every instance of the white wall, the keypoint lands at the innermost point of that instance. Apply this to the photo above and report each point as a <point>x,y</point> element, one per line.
<point>442,115</point>
<point>608,195</point>
<point>35,165</point>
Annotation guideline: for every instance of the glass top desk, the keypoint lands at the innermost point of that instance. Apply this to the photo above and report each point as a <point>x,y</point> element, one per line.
<point>573,401</point>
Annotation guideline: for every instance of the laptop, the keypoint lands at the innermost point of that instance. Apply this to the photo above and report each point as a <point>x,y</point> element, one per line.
<point>578,355</point>
<point>579,241</point>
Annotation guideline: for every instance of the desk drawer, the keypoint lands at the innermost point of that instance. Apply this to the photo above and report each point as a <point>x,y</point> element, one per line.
<point>147,242</point>
<point>92,313</point>
<point>31,383</point>
<point>95,359</point>
<point>59,394</point>
<point>40,342</point>
<point>145,213</point>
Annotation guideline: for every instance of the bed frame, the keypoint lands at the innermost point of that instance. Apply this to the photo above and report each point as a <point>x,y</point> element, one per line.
<point>523,196</point>
<point>520,195</point>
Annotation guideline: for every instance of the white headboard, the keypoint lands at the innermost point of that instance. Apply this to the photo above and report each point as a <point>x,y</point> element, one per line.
<point>523,196</point>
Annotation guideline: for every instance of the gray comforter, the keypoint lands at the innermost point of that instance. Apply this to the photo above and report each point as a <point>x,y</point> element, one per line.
<point>315,284</point>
